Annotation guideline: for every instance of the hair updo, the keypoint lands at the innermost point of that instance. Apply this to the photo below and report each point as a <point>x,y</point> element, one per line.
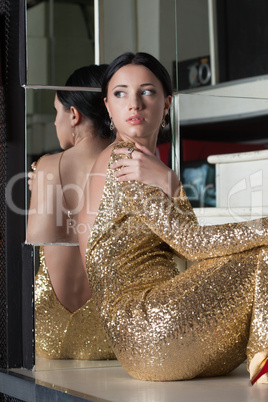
<point>89,104</point>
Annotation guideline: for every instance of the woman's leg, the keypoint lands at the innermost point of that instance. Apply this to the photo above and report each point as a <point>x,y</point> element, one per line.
<point>198,323</point>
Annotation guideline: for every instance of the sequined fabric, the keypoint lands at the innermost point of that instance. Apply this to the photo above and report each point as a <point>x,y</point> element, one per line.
<point>167,326</point>
<point>60,334</point>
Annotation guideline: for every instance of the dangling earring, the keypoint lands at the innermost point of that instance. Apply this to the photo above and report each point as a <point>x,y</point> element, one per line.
<point>112,125</point>
<point>73,131</point>
<point>163,124</point>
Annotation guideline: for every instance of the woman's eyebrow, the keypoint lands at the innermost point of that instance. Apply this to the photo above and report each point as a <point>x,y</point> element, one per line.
<point>119,86</point>
<point>125,86</point>
<point>147,83</point>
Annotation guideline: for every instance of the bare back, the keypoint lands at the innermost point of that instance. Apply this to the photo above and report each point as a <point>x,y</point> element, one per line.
<point>67,276</point>
<point>57,190</point>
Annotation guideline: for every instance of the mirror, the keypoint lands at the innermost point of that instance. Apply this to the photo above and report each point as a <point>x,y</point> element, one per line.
<point>64,35</point>
<point>61,37</point>
<point>222,101</point>
<point>227,119</point>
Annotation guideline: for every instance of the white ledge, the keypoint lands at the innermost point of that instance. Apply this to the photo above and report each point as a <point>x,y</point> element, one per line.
<point>239,157</point>
<point>231,212</point>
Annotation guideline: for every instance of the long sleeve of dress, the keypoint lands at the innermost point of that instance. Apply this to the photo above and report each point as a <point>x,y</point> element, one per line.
<point>174,221</point>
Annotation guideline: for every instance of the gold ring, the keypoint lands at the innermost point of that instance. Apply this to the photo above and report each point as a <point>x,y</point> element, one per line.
<point>130,151</point>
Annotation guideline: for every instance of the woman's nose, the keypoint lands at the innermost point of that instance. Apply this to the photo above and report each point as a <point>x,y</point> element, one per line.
<point>135,103</point>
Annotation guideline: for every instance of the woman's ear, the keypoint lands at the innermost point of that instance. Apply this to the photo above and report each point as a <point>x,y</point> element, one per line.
<point>107,105</point>
<point>168,101</point>
<point>75,116</point>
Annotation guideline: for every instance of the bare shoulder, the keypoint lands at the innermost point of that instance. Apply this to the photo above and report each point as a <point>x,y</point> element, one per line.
<point>48,162</point>
<point>101,164</point>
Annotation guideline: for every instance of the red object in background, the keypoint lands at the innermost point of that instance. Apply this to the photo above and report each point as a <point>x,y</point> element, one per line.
<point>199,150</point>
<point>162,152</point>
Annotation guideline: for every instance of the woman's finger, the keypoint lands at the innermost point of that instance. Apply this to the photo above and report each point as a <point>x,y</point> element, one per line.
<point>30,182</point>
<point>122,162</point>
<point>126,170</point>
<point>128,175</point>
<point>122,151</point>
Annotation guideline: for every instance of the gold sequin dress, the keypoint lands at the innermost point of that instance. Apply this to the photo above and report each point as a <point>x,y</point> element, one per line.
<point>167,326</point>
<point>61,334</point>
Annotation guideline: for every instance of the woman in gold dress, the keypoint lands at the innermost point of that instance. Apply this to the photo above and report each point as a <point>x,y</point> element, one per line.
<point>67,325</point>
<point>165,325</point>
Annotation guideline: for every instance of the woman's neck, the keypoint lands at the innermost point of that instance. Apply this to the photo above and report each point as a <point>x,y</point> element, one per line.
<point>92,145</point>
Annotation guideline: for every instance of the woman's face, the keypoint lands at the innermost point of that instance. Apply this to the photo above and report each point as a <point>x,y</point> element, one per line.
<point>137,104</point>
<point>63,125</point>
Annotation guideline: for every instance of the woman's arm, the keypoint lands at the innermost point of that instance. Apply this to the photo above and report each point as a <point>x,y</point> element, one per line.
<point>173,220</point>
<point>39,225</point>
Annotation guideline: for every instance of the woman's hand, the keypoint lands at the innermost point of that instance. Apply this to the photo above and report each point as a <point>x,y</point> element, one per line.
<point>31,176</point>
<point>144,166</point>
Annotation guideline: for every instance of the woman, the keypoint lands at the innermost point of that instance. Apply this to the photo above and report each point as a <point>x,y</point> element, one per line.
<point>163,325</point>
<point>67,324</point>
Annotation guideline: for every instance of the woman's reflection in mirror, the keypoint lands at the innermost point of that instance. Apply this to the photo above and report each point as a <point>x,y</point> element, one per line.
<point>66,319</point>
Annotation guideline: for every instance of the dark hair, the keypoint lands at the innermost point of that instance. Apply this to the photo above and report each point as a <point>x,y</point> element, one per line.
<point>89,104</point>
<point>143,59</point>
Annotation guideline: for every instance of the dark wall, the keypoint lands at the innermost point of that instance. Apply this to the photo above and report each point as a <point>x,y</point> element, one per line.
<point>243,38</point>
<point>12,167</point>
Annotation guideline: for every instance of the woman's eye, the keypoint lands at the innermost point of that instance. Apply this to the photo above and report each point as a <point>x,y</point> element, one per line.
<point>148,92</point>
<point>119,94</point>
